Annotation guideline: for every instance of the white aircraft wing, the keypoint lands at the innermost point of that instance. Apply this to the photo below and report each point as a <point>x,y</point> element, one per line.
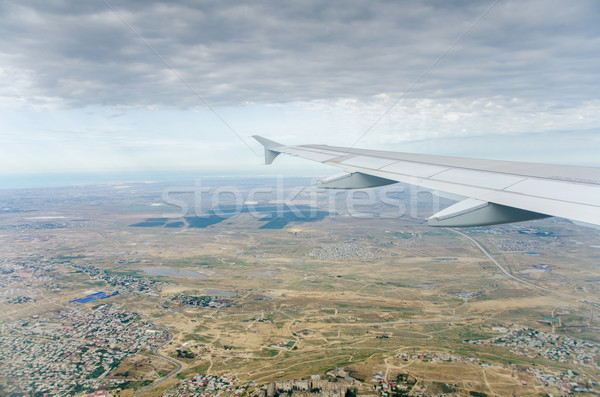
<point>497,191</point>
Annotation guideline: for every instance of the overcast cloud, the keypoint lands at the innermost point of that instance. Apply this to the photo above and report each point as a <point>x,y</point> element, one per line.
<point>295,70</point>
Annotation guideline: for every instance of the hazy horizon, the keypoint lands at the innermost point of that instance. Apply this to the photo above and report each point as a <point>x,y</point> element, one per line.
<point>101,87</point>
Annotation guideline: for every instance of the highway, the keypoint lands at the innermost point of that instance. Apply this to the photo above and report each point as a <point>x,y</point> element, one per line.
<point>177,363</point>
<point>511,276</point>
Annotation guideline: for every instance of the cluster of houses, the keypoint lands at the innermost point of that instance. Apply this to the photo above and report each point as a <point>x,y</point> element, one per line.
<point>207,385</point>
<point>528,245</point>
<point>18,300</point>
<point>71,351</point>
<point>126,282</point>
<point>32,269</point>
<point>350,249</point>
<point>532,344</point>
<point>567,381</point>
<point>213,302</point>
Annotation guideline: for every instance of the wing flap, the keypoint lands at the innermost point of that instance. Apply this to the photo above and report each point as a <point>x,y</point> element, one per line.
<point>478,178</point>
<point>568,192</point>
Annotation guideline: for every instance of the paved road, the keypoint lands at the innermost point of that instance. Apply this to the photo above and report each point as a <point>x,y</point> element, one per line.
<point>511,276</point>
<point>177,363</point>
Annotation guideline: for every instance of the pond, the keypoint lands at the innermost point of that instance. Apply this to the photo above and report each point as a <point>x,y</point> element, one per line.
<point>171,272</point>
<point>220,294</point>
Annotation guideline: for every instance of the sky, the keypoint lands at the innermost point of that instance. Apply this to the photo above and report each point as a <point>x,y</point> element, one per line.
<point>118,87</point>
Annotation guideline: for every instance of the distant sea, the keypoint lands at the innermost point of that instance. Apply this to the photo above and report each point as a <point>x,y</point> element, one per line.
<point>69,179</point>
<point>16,181</point>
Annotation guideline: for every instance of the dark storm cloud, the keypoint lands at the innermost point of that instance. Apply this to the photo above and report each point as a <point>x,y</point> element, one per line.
<point>81,53</point>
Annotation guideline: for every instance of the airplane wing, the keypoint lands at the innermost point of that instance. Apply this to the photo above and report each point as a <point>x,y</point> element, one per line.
<point>497,191</point>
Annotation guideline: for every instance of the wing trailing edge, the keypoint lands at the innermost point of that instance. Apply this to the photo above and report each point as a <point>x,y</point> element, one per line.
<point>499,191</point>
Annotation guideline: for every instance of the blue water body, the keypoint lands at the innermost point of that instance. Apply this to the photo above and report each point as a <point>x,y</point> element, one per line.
<point>219,293</point>
<point>93,297</point>
<point>273,216</point>
<point>280,220</point>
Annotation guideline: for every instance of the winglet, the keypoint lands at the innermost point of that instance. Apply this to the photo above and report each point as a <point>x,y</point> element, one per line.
<point>269,145</point>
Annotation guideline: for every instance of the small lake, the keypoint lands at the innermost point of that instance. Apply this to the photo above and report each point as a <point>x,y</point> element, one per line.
<point>220,294</point>
<point>263,273</point>
<point>171,272</point>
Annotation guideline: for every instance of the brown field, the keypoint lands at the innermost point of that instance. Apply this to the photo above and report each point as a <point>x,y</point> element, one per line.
<point>399,287</point>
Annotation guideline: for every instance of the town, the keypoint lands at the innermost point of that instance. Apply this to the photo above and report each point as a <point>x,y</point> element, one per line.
<point>72,350</point>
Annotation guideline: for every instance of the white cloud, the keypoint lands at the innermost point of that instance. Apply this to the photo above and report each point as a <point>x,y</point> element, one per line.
<point>298,72</point>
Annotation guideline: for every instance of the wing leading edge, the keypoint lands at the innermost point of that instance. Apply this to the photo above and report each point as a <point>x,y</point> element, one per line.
<point>498,191</point>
